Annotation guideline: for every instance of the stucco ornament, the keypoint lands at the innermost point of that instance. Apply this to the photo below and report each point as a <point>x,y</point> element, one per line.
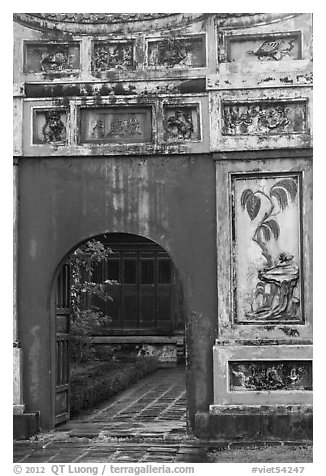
<point>274,49</point>
<point>274,294</point>
<point>179,126</point>
<point>113,56</point>
<point>256,118</point>
<point>54,129</point>
<point>271,376</point>
<point>55,60</point>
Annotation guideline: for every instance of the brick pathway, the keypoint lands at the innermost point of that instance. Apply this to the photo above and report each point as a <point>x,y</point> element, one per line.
<point>146,423</point>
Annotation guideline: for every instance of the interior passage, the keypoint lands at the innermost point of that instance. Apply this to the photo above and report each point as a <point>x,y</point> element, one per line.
<point>153,407</point>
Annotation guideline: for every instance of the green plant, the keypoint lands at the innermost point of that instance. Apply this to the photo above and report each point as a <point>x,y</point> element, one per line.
<point>86,317</point>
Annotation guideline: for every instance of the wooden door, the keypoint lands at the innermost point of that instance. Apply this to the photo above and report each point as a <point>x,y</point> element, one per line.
<point>143,296</point>
<point>62,325</point>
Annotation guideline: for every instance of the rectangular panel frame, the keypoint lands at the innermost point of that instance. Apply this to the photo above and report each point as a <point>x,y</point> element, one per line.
<point>238,176</point>
<point>273,163</point>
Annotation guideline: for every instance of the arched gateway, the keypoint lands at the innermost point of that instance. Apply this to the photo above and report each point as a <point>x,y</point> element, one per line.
<point>146,307</point>
<point>193,131</point>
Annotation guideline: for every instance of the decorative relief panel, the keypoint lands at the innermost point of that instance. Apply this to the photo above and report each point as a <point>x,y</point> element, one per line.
<point>119,55</point>
<point>116,125</point>
<point>266,238</point>
<point>53,58</point>
<point>49,126</point>
<point>177,52</point>
<point>270,375</point>
<point>181,123</point>
<point>268,117</point>
<point>278,47</point>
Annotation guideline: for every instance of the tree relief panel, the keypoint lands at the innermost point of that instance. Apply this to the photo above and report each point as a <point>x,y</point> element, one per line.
<point>117,55</point>
<point>49,126</point>
<point>177,52</point>
<point>258,118</point>
<point>267,249</point>
<point>51,58</point>
<point>270,375</point>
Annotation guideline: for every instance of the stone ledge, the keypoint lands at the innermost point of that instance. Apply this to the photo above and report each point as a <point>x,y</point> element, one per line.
<point>138,339</point>
<point>259,409</point>
<point>275,426</point>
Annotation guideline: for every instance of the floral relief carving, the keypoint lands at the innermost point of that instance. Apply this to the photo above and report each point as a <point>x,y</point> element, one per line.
<point>263,118</point>
<point>115,55</point>
<point>270,375</point>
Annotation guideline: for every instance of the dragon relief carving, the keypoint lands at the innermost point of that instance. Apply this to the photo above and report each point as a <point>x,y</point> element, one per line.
<point>256,119</point>
<point>274,296</point>
<point>53,130</point>
<point>180,125</point>
<point>119,55</point>
<point>270,376</point>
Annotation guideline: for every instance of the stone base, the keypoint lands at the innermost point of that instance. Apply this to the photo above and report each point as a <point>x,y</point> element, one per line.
<point>26,425</point>
<point>255,423</point>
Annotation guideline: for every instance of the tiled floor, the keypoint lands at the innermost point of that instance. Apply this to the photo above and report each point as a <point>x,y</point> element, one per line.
<point>146,423</point>
<point>153,407</point>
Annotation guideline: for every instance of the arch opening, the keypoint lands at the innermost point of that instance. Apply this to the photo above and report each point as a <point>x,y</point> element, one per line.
<point>145,312</point>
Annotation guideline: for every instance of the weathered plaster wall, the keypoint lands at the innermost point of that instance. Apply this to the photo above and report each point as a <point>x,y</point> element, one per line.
<point>64,201</point>
<point>244,79</point>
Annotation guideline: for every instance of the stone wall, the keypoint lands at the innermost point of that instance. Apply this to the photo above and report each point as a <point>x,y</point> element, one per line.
<point>194,130</point>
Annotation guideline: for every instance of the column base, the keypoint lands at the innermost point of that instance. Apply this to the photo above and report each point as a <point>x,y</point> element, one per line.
<point>26,425</point>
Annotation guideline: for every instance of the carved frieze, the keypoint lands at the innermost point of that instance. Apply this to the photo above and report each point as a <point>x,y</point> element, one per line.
<point>276,47</point>
<point>113,55</point>
<point>51,58</point>
<point>177,52</point>
<point>265,117</point>
<point>270,375</point>
<point>49,126</point>
<point>267,274</point>
<point>116,125</point>
<point>181,123</point>
<point>100,17</point>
